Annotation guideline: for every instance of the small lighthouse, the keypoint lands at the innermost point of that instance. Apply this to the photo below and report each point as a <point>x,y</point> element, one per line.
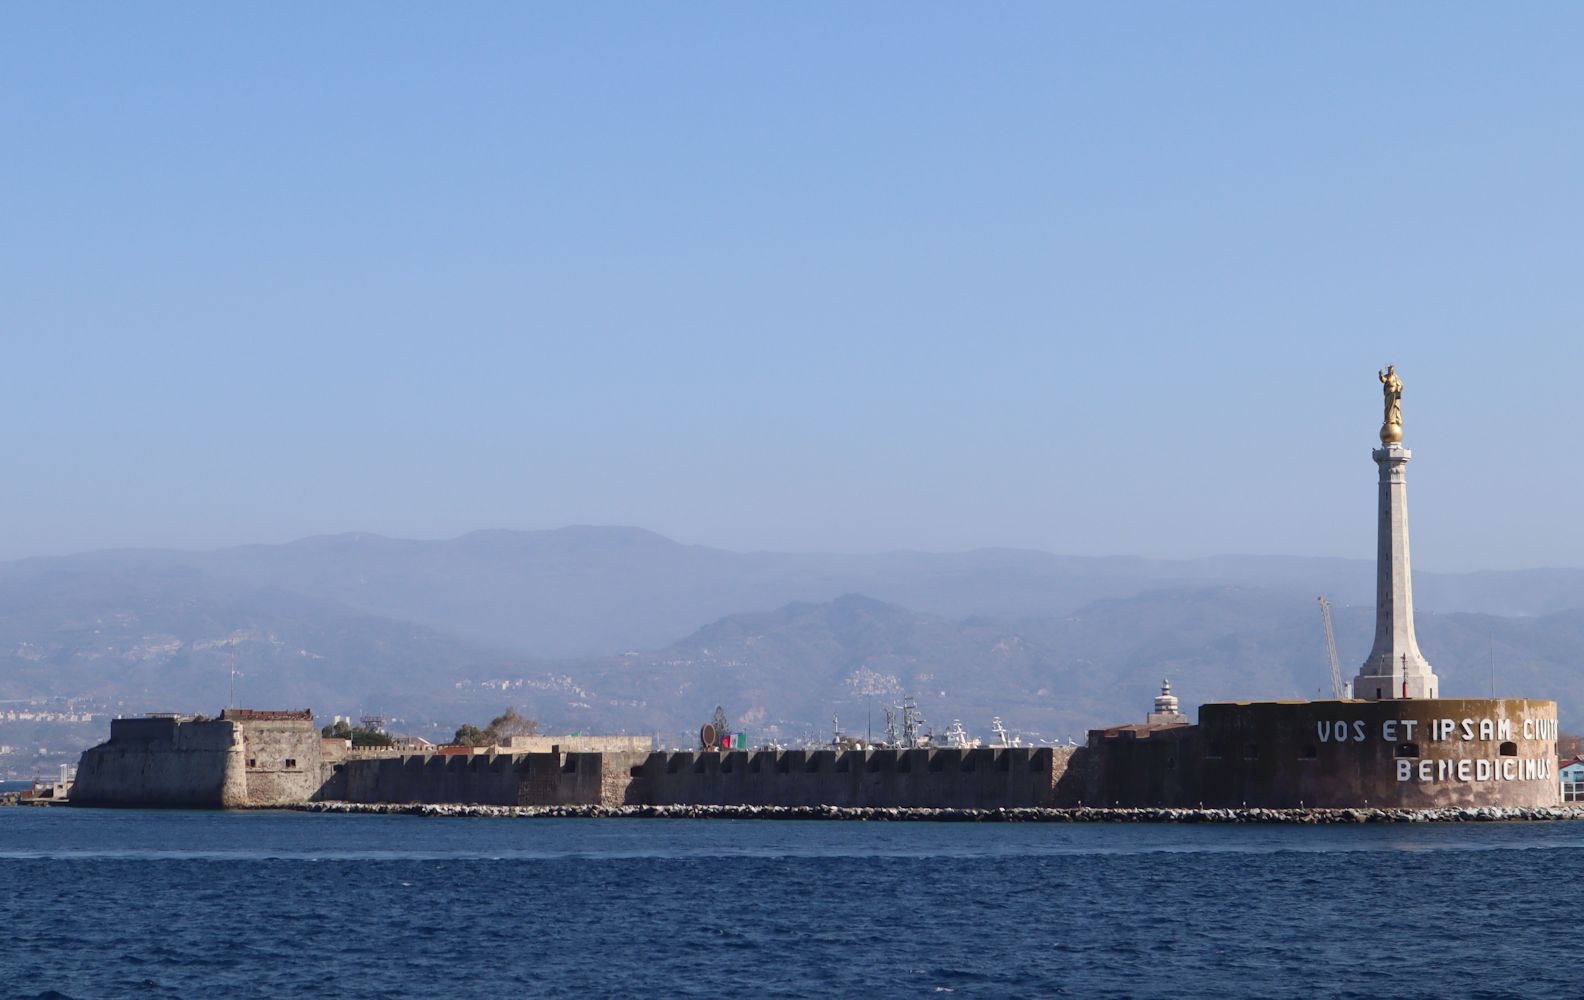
<point>1166,711</point>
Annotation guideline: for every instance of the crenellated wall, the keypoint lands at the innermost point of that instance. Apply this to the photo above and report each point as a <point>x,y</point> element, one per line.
<point>487,779</point>
<point>984,778</point>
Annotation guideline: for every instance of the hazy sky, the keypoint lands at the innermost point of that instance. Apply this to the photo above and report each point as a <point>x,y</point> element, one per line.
<point>1112,278</point>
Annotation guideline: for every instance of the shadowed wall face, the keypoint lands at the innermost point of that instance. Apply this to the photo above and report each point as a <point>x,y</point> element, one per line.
<point>989,778</point>
<point>164,762</point>
<point>524,779</point>
<point>986,778</point>
<point>1414,754</point>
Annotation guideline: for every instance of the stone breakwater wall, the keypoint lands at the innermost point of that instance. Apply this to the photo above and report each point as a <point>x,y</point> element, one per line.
<point>1304,817</point>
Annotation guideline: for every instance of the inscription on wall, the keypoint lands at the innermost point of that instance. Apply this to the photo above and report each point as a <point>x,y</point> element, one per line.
<point>1404,734</point>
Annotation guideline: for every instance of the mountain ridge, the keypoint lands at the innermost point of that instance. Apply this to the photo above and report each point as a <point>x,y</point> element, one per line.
<point>594,627</point>
<point>588,590</point>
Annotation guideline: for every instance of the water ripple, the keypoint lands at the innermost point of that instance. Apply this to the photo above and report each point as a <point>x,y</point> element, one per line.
<point>272,905</point>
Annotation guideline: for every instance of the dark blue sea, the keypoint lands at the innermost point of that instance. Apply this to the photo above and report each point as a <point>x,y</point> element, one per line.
<point>185,904</point>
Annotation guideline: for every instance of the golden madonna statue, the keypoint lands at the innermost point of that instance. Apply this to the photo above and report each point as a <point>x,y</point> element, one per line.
<point>1392,387</point>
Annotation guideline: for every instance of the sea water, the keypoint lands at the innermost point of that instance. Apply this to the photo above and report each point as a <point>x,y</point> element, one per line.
<point>124,903</point>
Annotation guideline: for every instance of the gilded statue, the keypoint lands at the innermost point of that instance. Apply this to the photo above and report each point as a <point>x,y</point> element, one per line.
<point>1392,387</point>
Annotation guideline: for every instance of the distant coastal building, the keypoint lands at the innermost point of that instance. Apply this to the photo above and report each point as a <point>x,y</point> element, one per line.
<point>577,743</point>
<point>1571,775</point>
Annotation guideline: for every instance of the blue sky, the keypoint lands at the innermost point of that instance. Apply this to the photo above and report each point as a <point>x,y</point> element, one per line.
<point>1091,279</point>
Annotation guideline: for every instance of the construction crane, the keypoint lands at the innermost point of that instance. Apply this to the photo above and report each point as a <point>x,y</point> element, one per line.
<point>1336,671</point>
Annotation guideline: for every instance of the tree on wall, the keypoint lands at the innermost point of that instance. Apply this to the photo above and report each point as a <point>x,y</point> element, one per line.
<point>1569,745</point>
<point>469,735</point>
<point>721,723</point>
<point>360,737</point>
<point>508,723</point>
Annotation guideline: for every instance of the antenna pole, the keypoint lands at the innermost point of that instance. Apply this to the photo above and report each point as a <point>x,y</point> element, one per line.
<point>1331,652</point>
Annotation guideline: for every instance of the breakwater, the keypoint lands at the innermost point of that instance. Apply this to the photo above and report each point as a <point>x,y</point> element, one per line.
<point>1309,817</point>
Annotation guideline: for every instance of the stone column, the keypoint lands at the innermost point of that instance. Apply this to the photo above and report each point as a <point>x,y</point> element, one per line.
<point>1395,668</point>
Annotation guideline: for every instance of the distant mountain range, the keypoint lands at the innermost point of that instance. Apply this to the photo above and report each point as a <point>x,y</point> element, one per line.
<point>581,627</point>
<point>169,637</point>
<point>1058,675</point>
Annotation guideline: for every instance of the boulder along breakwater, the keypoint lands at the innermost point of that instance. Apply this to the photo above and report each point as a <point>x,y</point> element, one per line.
<point>1013,815</point>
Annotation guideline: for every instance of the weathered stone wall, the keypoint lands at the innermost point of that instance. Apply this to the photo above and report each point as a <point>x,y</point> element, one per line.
<point>986,778</point>
<point>618,778</point>
<point>282,760</point>
<point>1142,765</point>
<point>1418,754</point>
<point>260,759</point>
<point>1402,754</point>
<point>164,762</point>
<point>947,778</point>
<point>490,779</point>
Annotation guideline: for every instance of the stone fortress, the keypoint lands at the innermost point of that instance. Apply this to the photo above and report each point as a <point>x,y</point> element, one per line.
<point>1397,744</point>
<point>242,758</point>
<point>260,759</point>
